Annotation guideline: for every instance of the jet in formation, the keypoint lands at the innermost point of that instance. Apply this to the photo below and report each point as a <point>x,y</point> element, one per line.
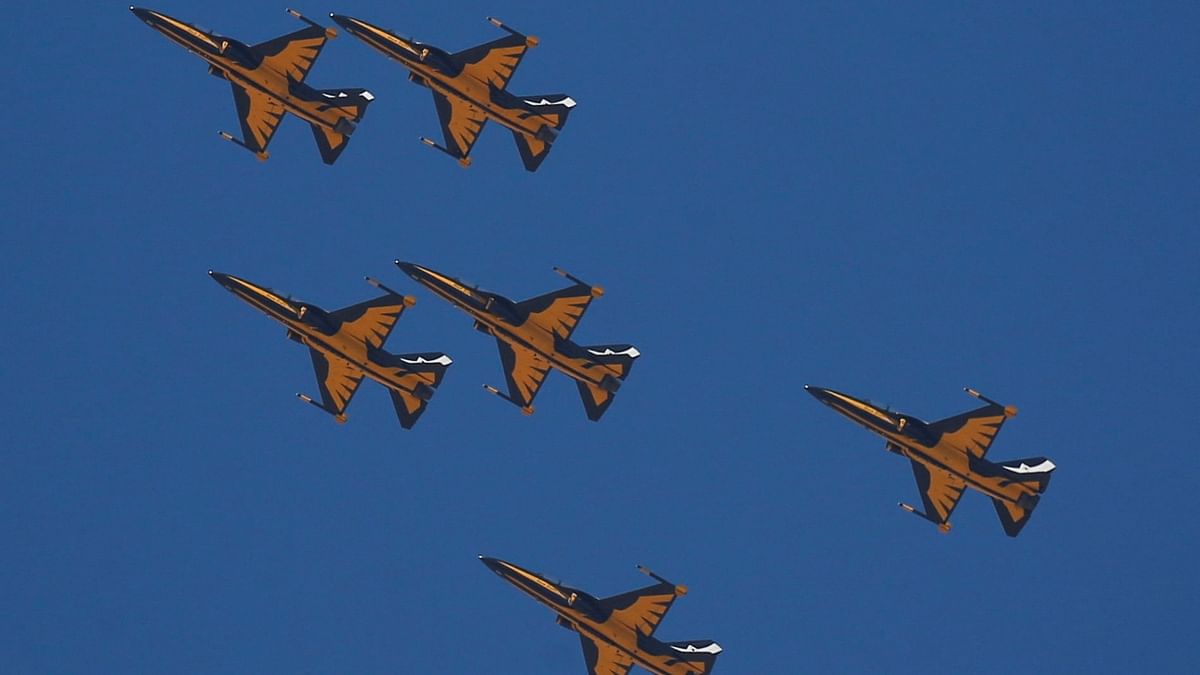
<point>469,88</point>
<point>347,345</point>
<point>535,335</point>
<point>268,81</point>
<point>948,457</point>
<point>616,632</point>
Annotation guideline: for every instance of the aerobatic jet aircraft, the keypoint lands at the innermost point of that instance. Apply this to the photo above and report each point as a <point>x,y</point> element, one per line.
<point>469,88</point>
<point>347,345</point>
<point>947,457</point>
<point>268,81</point>
<point>534,336</point>
<point>616,632</point>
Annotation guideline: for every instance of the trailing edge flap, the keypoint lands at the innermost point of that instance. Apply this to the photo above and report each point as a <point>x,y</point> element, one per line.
<point>329,142</point>
<point>293,54</point>
<point>642,609</point>
<point>461,123</point>
<point>533,151</point>
<point>493,62</point>
<point>371,321</point>
<point>595,399</point>
<point>940,491</point>
<point>525,371</point>
<point>604,659</point>
<point>259,115</point>
<point>558,311</point>
<point>408,407</point>
<point>337,380</point>
<point>971,432</point>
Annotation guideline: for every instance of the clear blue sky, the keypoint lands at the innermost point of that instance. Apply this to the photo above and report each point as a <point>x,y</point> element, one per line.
<point>893,199</point>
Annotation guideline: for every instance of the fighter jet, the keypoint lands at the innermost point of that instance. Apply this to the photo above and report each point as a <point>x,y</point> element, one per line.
<point>268,81</point>
<point>616,632</point>
<point>469,89</point>
<point>347,345</point>
<point>534,336</point>
<point>947,458</point>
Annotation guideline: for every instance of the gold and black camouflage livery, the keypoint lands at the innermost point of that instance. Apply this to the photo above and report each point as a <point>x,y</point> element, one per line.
<point>347,345</point>
<point>534,336</point>
<point>947,457</point>
<point>268,81</point>
<point>616,632</point>
<point>470,87</point>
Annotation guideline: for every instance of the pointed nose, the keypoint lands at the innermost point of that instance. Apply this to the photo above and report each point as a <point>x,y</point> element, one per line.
<point>414,271</point>
<point>492,564</point>
<point>343,21</point>
<point>819,393</point>
<point>220,278</point>
<point>142,13</point>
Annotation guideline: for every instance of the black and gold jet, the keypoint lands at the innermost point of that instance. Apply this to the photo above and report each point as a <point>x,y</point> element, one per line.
<point>469,88</point>
<point>534,336</point>
<point>616,632</point>
<point>347,345</point>
<point>947,458</point>
<point>268,81</point>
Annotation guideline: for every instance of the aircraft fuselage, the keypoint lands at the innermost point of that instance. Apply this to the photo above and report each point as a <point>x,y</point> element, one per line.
<point>234,61</point>
<point>309,325</point>
<point>431,67</point>
<point>489,311</point>
<point>911,438</point>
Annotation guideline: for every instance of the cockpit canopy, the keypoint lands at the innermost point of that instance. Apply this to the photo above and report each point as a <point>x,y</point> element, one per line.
<point>240,52</point>
<point>585,603</point>
<point>438,59</point>
<point>505,309</point>
<point>916,429</point>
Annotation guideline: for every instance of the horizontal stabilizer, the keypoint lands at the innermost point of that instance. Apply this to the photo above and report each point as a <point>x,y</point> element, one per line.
<point>409,407</point>
<point>1014,515</point>
<point>330,143</point>
<point>596,399</point>
<point>552,111</point>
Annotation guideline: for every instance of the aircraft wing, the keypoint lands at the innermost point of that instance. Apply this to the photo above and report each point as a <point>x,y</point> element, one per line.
<point>337,379</point>
<point>604,659</point>
<point>493,62</point>
<point>293,54</point>
<point>971,432</point>
<point>643,609</point>
<point>940,491</point>
<point>559,311</point>
<point>525,370</point>
<point>461,123</point>
<point>259,115</point>
<point>371,321</point>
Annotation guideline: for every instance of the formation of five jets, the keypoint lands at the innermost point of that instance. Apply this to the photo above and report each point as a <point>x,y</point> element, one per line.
<point>534,335</point>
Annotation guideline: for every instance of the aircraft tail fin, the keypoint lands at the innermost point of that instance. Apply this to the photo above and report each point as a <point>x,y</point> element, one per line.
<point>598,397</point>
<point>620,357</point>
<point>1033,472</point>
<point>700,655</point>
<point>353,100</point>
<point>552,110</point>
<point>421,374</point>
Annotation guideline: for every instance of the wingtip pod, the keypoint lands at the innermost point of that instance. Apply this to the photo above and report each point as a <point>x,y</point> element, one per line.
<point>525,409</point>
<point>463,161</point>
<point>330,33</point>
<point>340,418</point>
<point>408,300</point>
<point>597,291</point>
<point>1009,410</point>
<point>262,155</point>
<point>680,589</point>
<point>530,40</point>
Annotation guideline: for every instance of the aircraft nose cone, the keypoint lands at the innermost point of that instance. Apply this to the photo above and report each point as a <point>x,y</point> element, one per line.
<point>491,563</point>
<point>140,12</point>
<point>408,268</point>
